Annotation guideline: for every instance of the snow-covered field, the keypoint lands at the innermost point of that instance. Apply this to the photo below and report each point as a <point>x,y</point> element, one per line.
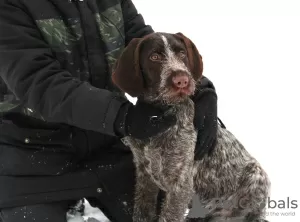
<point>90,215</point>
<point>251,51</point>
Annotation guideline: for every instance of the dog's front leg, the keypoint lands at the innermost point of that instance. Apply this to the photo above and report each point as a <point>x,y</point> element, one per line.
<point>145,198</point>
<point>176,203</point>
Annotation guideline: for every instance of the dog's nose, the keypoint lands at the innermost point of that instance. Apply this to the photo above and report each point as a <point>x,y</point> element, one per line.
<point>180,81</point>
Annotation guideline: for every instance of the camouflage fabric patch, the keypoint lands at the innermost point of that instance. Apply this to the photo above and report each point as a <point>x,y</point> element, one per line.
<point>60,36</point>
<point>111,29</point>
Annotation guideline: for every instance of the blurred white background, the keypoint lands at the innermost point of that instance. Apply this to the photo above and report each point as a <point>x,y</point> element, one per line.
<point>251,52</point>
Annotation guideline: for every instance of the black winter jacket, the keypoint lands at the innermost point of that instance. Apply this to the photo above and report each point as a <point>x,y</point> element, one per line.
<point>52,54</point>
<point>55,86</point>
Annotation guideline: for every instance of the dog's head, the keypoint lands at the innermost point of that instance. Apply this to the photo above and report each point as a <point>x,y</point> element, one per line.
<point>160,67</point>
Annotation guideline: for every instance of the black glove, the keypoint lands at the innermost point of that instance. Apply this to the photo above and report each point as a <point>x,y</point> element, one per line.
<point>142,120</point>
<point>206,119</point>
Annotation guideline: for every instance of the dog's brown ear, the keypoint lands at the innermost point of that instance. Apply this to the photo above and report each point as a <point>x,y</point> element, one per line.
<point>127,74</point>
<point>195,59</point>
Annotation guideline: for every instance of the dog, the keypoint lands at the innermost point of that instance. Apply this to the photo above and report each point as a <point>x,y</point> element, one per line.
<point>165,69</point>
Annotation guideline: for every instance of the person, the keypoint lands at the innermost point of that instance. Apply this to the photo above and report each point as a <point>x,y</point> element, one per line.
<point>60,131</point>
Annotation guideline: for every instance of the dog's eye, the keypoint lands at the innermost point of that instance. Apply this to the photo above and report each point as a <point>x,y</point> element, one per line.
<point>182,54</point>
<point>155,57</point>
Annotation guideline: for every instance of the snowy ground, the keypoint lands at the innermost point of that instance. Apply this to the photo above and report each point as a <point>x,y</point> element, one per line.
<point>251,51</point>
<point>91,215</point>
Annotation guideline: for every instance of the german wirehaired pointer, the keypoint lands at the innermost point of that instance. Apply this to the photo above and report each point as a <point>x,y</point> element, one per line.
<point>165,69</point>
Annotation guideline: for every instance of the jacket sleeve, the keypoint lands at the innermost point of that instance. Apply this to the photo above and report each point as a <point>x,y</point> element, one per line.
<point>134,23</point>
<point>206,116</point>
<point>32,73</point>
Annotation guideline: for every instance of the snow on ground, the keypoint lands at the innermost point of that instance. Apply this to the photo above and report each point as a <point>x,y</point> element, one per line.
<point>94,213</point>
<point>91,214</point>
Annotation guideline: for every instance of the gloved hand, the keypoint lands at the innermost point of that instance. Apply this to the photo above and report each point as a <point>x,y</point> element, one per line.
<point>206,119</point>
<point>142,120</point>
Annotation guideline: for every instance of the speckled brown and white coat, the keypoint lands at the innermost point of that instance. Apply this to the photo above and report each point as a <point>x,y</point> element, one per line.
<point>165,69</point>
